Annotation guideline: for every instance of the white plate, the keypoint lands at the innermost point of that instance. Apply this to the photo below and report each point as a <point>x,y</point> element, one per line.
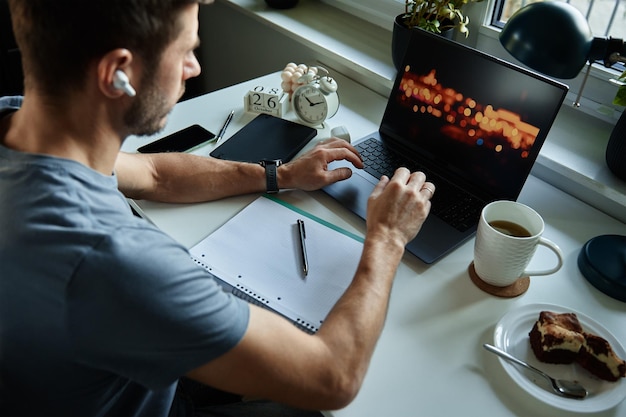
<point>511,335</point>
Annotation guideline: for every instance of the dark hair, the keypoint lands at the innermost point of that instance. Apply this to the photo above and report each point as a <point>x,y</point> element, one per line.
<point>60,38</point>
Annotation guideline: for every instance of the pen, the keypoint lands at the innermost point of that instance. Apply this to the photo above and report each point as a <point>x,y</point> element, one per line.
<point>302,233</point>
<point>222,131</point>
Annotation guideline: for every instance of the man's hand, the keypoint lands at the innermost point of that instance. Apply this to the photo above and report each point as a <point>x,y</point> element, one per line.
<point>398,206</point>
<point>310,171</point>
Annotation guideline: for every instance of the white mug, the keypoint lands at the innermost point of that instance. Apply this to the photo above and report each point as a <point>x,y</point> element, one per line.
<point>507,237</point>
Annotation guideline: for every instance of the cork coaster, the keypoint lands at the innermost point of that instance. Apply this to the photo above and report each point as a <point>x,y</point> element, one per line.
<point>519,287</point>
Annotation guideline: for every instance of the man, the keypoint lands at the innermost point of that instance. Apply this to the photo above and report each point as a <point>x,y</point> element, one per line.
<point>101,313</point>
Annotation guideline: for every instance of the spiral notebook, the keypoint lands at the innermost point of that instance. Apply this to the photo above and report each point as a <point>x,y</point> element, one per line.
<point>256,256</point>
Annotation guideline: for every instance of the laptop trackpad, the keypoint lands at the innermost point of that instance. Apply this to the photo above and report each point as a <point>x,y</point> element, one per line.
<point>352,193</point>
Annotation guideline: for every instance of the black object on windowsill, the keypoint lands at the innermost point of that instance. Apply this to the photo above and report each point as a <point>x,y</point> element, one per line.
<point>281,4</point>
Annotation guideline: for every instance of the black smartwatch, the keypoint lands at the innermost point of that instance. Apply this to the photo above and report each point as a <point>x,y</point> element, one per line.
<point>271,180</point>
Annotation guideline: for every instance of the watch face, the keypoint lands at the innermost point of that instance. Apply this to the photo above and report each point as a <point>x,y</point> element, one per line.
<point>310,104</point>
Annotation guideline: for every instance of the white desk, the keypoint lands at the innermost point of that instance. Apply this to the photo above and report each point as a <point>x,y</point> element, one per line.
<point>429,360</point>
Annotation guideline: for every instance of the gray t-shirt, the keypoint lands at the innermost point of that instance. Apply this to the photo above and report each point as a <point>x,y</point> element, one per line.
<point>100,312</point>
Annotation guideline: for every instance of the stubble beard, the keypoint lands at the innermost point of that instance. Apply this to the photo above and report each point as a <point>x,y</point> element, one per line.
<point>149,110</point>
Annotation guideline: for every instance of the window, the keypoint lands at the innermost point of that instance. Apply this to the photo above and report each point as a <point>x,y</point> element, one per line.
<point>605,17</point>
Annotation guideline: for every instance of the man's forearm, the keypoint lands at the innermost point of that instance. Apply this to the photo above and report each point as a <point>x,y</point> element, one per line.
<point>355,323</point>
<point>185,178</point>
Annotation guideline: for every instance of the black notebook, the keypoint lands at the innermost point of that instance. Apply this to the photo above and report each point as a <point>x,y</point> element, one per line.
<point>265,137</point>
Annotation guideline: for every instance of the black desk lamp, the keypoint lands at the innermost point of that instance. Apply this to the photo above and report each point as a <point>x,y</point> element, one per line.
<point>554,38</point>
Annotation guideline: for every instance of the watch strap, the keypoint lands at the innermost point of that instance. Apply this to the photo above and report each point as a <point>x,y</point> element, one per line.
<point>271,179</point>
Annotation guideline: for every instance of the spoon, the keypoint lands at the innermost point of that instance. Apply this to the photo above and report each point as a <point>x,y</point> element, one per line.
<point>562,387</point>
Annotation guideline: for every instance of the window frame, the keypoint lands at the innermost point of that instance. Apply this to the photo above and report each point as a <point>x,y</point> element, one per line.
<point>496,10</point>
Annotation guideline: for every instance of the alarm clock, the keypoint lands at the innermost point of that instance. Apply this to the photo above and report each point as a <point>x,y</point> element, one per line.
<point>316,100</point>
<point>268,100</point>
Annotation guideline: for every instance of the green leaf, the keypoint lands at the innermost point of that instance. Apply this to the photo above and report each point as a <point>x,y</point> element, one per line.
<point>620,97</point>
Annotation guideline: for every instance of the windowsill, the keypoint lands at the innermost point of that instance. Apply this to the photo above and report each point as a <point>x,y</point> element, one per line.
<point>572,158</point>
<point>361,49</point>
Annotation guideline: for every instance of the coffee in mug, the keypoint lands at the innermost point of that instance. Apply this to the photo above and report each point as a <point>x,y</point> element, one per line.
<point>507,237</point>
<point>509,228</point>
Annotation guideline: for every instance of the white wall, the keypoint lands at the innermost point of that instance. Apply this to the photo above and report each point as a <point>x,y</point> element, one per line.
<point>236,47</point>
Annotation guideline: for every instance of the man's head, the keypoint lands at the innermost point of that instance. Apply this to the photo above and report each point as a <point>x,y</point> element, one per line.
<point>61,39</point>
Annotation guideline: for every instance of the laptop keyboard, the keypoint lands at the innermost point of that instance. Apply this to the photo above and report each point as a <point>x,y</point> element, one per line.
<point>450,203</point>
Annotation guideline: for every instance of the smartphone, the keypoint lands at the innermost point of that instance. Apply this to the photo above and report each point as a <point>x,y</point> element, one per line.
<point>181,141</point>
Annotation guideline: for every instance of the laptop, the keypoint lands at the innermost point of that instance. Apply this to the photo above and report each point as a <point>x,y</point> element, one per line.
<point>472,122</point>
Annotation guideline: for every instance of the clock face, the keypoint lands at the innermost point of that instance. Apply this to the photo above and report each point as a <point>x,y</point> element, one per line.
<point>310,104</point>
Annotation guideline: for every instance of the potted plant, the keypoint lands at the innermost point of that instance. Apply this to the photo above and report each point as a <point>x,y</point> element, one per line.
<point>435,16</point>
<point>438,16</point>
<point>616,148</point>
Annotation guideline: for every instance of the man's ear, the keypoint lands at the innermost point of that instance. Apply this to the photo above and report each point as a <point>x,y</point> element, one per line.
<point>115,73</point>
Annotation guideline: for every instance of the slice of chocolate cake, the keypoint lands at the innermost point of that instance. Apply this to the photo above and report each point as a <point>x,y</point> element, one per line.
<point>597,356</point>
<point>559,338</point>
<point>556,338</point>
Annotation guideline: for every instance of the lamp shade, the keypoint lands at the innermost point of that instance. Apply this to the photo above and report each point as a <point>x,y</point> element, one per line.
<point>551,37</point>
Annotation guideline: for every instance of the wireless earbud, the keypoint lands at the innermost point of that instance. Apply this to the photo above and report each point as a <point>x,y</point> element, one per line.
<point>120,81</point>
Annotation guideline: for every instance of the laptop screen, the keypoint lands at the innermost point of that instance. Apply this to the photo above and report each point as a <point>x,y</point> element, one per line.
<point>467,112</point>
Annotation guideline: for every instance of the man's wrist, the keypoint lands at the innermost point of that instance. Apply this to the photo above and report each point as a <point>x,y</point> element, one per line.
<point>271,174</point>
<point>392,243</point>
